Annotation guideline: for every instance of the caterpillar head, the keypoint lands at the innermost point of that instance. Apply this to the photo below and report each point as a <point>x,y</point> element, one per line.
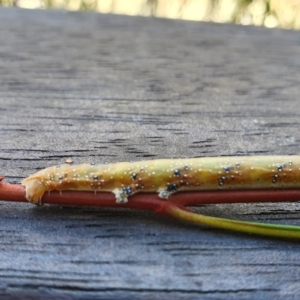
<point>34,190</point>
<point>35,186</point>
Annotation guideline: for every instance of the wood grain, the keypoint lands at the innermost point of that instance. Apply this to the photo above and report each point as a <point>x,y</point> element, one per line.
<point>111,88</point>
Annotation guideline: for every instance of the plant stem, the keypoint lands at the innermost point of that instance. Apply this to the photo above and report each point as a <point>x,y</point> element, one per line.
<point>175,206</point>
<point>16,192</point>
<point>272,230</point>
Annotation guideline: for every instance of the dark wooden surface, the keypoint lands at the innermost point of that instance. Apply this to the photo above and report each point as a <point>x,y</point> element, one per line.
<point>109,88</point>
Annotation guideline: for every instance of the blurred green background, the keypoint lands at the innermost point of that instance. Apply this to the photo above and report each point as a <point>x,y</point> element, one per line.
<point>269,13</point>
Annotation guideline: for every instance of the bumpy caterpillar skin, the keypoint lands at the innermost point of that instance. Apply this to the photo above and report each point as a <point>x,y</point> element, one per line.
<point>167,176</point>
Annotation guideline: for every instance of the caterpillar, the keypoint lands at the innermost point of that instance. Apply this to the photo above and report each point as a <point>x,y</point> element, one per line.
<point>167,176</point>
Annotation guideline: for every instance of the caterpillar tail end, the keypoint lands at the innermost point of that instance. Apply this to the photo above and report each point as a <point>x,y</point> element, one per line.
<point>34,189</point>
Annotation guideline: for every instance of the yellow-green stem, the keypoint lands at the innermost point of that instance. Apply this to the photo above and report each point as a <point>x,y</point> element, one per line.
<point>272,230</point>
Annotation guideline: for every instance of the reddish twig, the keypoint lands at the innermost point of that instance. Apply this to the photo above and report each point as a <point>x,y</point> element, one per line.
<point>15,192</point>
<point>175,206</point>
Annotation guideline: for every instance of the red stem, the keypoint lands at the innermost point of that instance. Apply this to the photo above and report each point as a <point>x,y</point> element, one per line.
<point>149,201</point>
<point>175,206</point>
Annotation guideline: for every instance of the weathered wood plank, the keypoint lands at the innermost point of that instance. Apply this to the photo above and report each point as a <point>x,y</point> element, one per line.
<point>107,88</point>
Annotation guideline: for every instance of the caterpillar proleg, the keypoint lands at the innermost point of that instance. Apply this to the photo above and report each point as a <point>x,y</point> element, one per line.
<point>167,176</point>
